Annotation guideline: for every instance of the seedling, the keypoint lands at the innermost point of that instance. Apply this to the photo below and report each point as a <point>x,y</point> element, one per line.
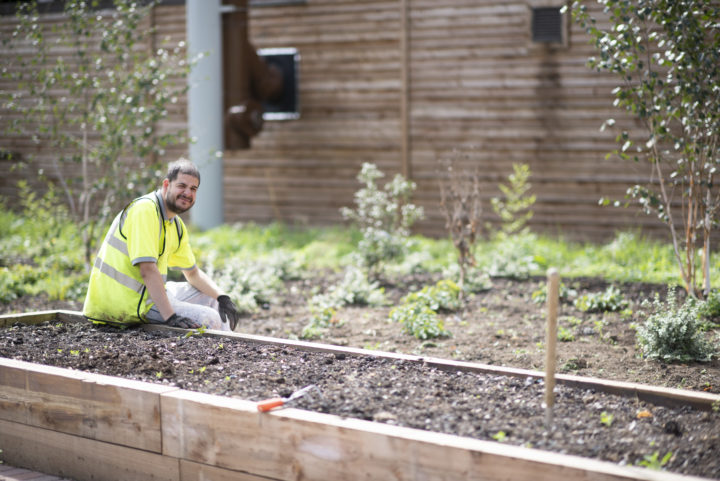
<point>564,334</point>
<point>195,332</point>
<point>500,436</point>
<point>606,419</point>
<point>651,461</point>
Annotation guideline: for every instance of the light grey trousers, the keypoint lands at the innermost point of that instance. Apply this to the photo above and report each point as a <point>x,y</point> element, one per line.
<point>189,302</point>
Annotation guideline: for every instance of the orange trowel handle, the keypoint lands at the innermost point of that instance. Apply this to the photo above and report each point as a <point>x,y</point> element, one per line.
<point>268,404</point>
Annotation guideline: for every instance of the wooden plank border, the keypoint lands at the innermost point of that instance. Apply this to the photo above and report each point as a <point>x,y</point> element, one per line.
<point>216,437</point>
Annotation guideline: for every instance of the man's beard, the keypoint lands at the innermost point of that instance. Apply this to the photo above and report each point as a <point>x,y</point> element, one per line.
<point>172,205</point>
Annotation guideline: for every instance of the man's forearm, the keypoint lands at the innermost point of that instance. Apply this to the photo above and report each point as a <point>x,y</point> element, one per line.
<point>156,288</point>
<point>202,282</point>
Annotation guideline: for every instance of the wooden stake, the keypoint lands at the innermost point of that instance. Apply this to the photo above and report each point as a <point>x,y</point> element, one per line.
<point>550,343</point>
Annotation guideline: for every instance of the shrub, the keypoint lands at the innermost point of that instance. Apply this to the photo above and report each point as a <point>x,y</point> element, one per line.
<point>515,209</point>
<point>476,279</point>
<point>672,332</point>
<point>610,300</point>
<point>384,218</point>
<point>710,309</point>
<point>419,320</point>
<point>354,289</point>
<point>418,312</point>
<point>249,284</point>
<point>444,295</point>
<point>513,257</point>
<point>565,294</point>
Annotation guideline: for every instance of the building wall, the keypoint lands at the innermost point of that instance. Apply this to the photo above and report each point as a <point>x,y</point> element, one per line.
<point>406,84</point>
<point>477,90</point>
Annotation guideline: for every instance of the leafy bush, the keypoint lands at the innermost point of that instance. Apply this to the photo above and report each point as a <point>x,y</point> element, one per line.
<point>672,332</point>
<point>354,289</point>
<point>419,320</point>
<point>444,295</point>
<point>418,312</point>
<point>249,284</point>
<point>515,209</point>
<point>384,218</point>
<point>476,279</point>
<point>16,282</point>
<point>610,300</point>
<point>513,257</point>
<point>710,309</point>
<point>565,294</point>
<point>323,310</point>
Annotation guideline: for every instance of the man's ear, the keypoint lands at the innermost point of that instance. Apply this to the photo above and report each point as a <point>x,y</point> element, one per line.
<point>165,185</point>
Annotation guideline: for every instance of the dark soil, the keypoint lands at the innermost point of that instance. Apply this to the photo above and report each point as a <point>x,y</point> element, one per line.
<point>501,326</point>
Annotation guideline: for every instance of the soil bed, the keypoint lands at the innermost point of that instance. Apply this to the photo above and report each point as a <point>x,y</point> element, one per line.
<point>509,410</point>
<point>502,326</point>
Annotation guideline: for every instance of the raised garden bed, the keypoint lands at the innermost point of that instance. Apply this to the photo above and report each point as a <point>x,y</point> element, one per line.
<point>85,425</point>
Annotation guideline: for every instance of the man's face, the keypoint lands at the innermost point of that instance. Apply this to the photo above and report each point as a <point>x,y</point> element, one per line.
<point>180,193</point>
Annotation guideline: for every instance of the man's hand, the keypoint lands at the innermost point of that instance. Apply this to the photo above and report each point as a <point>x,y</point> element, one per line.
<point>182,322</point>
<point>228,311</point>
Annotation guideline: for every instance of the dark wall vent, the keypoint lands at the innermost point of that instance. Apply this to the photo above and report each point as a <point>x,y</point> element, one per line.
<point>547,25</point>
<point>286,105</point>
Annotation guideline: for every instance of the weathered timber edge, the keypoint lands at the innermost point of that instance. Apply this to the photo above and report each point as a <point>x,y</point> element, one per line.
<point>88,426</point>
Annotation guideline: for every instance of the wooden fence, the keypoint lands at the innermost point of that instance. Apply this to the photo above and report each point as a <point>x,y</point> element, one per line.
<point>406,84</point>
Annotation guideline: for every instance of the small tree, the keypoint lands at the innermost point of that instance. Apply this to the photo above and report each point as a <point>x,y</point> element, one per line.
<point>461,204</point>
<point>667,55</point>
<point>515,207</point>
<point>384,217</point>
<point>92,90</point>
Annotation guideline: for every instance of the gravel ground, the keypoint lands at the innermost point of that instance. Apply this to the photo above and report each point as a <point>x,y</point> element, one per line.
<point>508,410</point>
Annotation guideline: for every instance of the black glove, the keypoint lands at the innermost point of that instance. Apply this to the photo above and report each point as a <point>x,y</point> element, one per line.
<point>182,322</point>
<point>228,311</point>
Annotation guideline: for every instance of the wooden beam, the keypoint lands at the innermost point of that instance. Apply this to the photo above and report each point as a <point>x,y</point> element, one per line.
<point>295,444</point>
<point>80,458</point>
<point>205,436</point>
<point>106,408</point>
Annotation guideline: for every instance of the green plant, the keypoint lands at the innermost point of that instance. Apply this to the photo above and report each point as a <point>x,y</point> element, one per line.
<point>97,105</point>
<point>384,218</point>
<point>500,436</point>
<point>323,310</point>
<point>665,54</point>
<point>651,461</point>
<point>710,308</point>
<point>610,300</point>
<point>356,289</point>
<point>419,320</point>
<point>476,278</point>
<point>606,419</point>
<point>513,257</point>
<point>250,284</point>
<point>418,311</point>
<point>515,208</point>
<point>564,334</point>
<point>444,295</point>
<point>539,296</point>
<point>672,332</point>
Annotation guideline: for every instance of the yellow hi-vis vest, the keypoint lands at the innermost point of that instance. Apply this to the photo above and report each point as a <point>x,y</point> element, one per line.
<point>140,233</point>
